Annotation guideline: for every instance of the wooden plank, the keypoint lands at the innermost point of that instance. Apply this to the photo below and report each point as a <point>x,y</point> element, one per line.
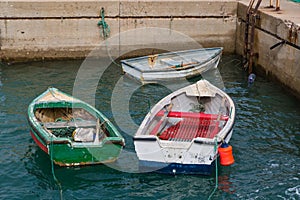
<point>81,124</point>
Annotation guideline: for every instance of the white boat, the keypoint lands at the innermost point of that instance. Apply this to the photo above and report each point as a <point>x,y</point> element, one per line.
<point>182,131</point>
<point>172,65</point>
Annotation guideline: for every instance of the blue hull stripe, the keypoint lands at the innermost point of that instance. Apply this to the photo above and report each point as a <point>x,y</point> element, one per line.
<point>175,168</point>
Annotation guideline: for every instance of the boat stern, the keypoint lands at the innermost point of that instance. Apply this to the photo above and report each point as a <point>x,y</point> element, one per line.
<point>171,157</point>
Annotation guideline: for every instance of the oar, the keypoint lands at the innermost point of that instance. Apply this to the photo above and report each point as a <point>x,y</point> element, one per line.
<point>158,125</point>
<point>182,65</point>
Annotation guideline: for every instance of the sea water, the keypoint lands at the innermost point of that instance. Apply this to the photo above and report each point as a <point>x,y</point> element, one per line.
<point>265,140</point>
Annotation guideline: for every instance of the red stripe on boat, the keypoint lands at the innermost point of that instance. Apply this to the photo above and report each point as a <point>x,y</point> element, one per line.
<point>43,147</point>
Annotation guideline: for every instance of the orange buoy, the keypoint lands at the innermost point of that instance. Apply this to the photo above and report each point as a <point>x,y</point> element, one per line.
<point>225,152</point>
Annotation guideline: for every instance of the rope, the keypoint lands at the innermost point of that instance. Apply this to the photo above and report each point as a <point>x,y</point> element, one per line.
<point>52,168</point>
<point>216,163</point>
<point>105,28</point>
<point>52,93</point>
<point>106,32</point>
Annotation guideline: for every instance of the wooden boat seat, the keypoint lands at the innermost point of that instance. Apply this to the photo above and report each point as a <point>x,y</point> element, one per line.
<point>201,115</point>
<point>193,125</point>
<point>66,124</point>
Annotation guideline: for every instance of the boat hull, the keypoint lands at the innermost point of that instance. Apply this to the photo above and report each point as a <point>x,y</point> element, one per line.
<point>176,168</point>
<point>175,138</point>
<point>77,139</point>
<point>66,154</point>
<point>157,157</point>
<point>167,74</point>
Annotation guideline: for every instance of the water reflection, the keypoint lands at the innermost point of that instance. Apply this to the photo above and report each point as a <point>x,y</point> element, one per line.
<point>225,184</point>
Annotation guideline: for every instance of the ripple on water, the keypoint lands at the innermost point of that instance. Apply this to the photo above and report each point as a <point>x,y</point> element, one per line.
<point>266,140</point>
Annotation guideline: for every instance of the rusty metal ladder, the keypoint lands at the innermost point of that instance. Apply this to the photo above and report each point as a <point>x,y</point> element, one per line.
<point>251,17</point>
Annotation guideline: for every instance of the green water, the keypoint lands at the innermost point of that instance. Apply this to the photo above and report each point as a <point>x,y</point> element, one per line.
<point>266,140</point>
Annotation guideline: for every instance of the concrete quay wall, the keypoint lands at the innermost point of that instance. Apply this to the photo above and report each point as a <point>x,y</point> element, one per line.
<point>50,29</point>
<point>281,63</point>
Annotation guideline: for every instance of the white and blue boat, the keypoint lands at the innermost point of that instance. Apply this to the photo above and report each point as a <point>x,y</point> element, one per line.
<point>172,65</point>
<point>182,132</point>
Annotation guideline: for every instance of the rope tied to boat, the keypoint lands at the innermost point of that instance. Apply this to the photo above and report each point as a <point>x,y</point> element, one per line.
<point>102,24</point>
<point>216,164</point>
<point>52,168</point>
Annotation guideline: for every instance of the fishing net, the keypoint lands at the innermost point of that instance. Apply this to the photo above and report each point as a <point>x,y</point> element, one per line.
<point>63,132</point>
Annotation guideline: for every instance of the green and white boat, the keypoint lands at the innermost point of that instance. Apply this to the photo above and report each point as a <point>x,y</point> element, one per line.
<point>71,131</point>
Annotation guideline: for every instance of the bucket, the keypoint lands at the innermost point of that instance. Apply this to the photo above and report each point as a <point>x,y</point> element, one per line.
<point>225,152</point>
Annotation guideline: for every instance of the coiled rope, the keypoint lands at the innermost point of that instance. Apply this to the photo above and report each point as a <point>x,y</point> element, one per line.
<point>102,23</point>
<point>106,32</point>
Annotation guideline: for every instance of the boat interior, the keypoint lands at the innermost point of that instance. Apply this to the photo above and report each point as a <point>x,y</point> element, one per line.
<point>192,125</point>
<point>199,118</point>
<point>75,123</point>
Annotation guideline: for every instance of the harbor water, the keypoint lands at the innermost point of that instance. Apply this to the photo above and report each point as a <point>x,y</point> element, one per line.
<point>265,141</point>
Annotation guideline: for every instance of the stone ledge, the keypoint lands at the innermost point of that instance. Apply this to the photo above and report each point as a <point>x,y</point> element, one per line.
<point>113,8</point>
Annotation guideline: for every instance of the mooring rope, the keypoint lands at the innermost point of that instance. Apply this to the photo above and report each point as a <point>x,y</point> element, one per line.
<point>106,32</point>
<point>216,163</point>
<point>52,168</point>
